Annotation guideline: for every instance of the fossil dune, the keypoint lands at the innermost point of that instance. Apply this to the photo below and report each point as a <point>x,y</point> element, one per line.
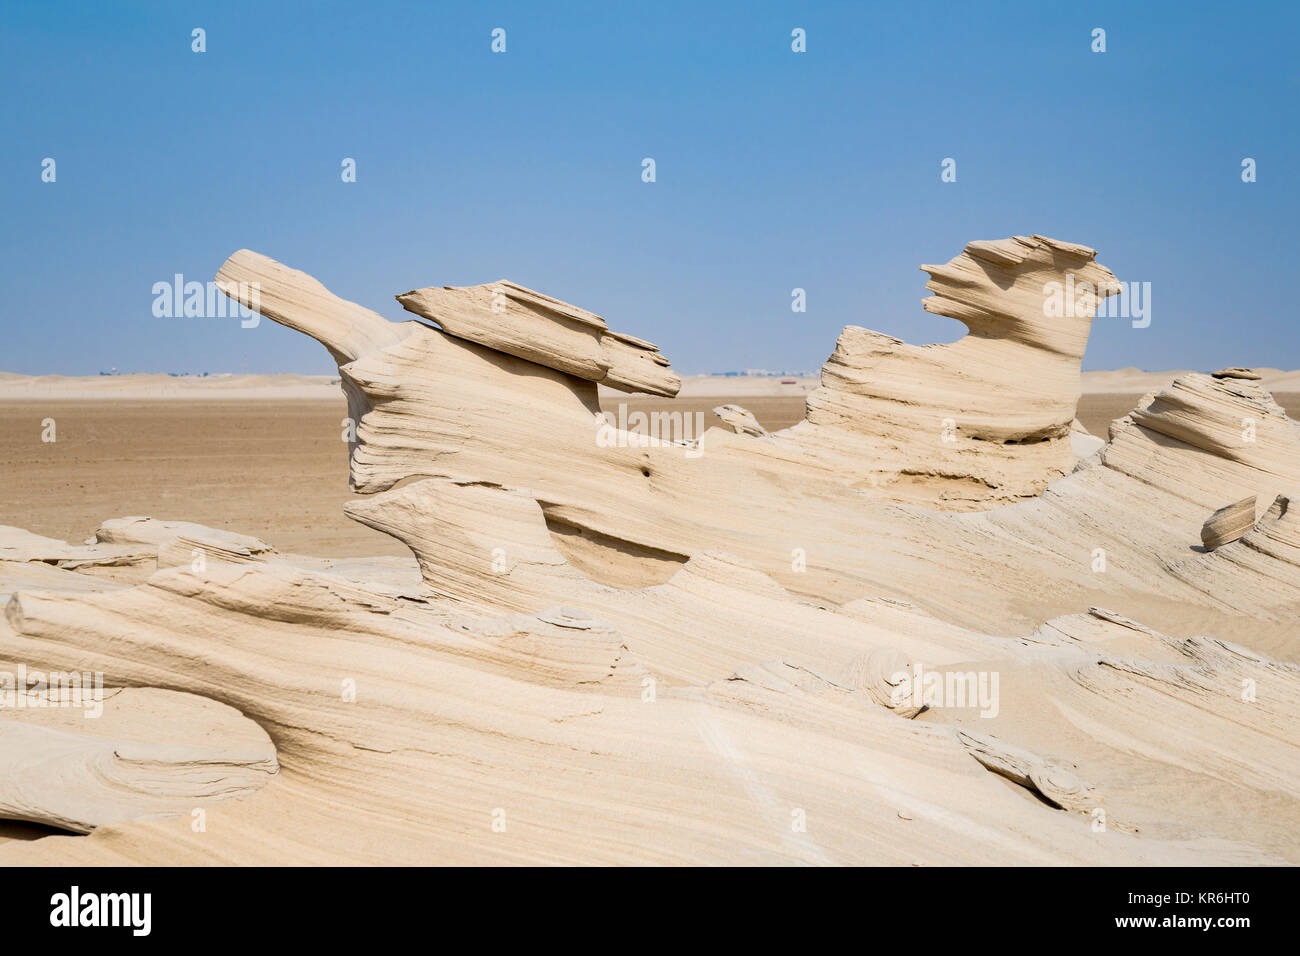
<point>935,622</point>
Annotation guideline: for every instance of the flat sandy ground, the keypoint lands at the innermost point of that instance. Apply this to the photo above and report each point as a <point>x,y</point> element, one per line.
<point>274,469</point>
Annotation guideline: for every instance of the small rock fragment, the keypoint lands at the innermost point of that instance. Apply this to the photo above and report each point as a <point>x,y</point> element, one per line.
<point>740,420</point>
<point>1228,523</point>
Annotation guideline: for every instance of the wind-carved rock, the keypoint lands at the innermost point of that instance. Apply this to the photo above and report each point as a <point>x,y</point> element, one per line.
<point>597,636</point>
<point>981,421</point>
<point>54,772</point>
<point>1246,374</point>
<point>1228,523</point>
<point>739,420</point>
<point>1053,782</point>
<point>529,325</point>
<point>1259,571</point>
<point>883,674</point>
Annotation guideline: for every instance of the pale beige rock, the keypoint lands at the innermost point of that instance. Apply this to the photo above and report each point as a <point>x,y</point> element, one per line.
<point>1083,443</point>
<point>151,531</point>
<point>19,545</point>
<point>451,721</point>
<point>553,720</point>
<point>143,756</point>
<point>739,420</point>
<point>1054,783</point>
<point>1257,575</point>
<point>636,365</point>
<point>631,513</point>
<point>286,295</point>
<point>883,674</point>
<point>609,640</point>
<point>1228,523</point>
<point>23,575</point>
<point>985,419</point>
<point>515,320</point>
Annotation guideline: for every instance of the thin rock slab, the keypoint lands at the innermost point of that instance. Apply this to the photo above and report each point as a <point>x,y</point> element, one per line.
<point>1228,523</point>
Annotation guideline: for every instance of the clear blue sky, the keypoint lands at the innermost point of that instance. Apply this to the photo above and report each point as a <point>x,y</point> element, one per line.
<point>775,170</point>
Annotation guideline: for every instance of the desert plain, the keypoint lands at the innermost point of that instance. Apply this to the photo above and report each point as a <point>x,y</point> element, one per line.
<point>263,453</point>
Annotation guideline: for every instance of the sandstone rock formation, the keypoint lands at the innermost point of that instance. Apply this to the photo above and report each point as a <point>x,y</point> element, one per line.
<point>721,643</point>
<point>1228,523</point>
<point>1246,374</point>
<point>739,420</point>
<point>1261,568</point>
<point>134,767</point>
<point>509,318</point>
<point>985,419</point>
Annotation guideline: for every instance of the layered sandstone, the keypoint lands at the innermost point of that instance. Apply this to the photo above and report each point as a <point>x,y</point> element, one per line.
<point>601,642</point>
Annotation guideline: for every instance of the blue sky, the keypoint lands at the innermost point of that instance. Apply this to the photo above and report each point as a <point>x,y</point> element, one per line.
<point>775,170</point>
